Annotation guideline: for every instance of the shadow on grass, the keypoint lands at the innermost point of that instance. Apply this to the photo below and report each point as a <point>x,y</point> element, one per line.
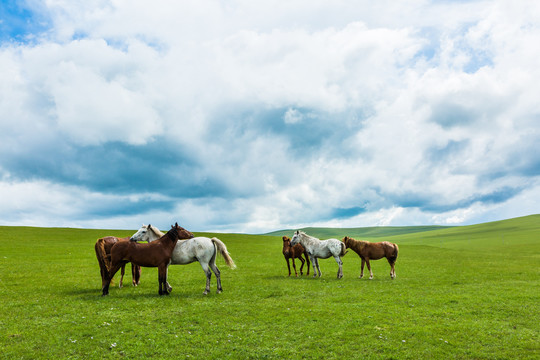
<point>128,294</point>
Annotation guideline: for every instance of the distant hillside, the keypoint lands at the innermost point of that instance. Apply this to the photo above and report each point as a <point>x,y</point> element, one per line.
<point>363,232</point>
<point>526,228</point>
<point>520,231</point>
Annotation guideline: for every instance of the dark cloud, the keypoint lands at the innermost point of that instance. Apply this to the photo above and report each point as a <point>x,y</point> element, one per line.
<point>452,150</point>
<point>159,167</point>
<point>448,115</point>
<point>312,133</point>
<point>432,204</point>
<point>344,213</point>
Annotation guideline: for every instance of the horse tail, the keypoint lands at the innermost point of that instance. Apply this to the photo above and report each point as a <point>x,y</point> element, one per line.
<point>101,255</point>
<point>392,259</point>
<point>222,249</point>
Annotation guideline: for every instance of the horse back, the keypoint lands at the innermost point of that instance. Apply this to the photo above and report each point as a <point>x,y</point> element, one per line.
<point>190,250</point>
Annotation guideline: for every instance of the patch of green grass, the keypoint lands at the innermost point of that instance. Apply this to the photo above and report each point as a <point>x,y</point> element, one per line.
<point>460,293</point>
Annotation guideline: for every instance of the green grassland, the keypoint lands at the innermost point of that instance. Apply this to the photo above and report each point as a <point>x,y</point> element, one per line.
<point>468,292</point>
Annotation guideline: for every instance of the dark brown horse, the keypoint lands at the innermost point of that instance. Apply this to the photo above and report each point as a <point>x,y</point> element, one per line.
<point>103,253</point>
<point>292,252</point>
<point>373,251</point>
<point>155,254</point>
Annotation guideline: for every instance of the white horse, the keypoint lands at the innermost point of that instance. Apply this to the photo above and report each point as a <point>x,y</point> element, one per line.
<point>320,249</point>
<point>201,249</point>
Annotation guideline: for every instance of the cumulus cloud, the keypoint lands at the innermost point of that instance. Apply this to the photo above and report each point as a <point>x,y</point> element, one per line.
<point>250,117</point>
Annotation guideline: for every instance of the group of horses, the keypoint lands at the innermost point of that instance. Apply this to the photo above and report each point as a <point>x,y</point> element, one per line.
<point>177,246</point>
<point>303,245</point>
<point>149,247</point>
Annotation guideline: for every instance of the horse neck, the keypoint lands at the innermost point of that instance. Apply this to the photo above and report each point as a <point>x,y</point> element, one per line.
<point>168,240</point>
<point>156,234</point>
<point>360,244</point>
<point>306,240</point>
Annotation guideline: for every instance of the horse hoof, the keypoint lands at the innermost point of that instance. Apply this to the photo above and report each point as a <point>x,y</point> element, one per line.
<point>219,291</point>
<point>205,292</point>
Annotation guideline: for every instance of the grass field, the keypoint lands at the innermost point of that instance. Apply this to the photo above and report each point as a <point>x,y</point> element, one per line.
<point>461,293</point>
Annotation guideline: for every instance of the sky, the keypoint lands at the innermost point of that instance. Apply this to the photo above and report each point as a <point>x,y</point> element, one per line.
<point>248,116</point>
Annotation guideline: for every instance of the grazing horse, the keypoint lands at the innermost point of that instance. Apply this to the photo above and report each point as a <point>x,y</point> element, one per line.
<point>320,249</point>
<point>201,249</point>
<point>292,252</point>
<point>103,253</point>
<point>373,251</point>
<point>155,254</point>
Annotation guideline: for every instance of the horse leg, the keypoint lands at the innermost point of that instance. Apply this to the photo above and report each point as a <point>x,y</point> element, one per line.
<point>135,274</point>
<point>314,264</point>
<point>122,275</point>
<point>307,261</point>
<point>294,266</point>
<point>340,269</point>
<point>392,269</point>
<point>162,278</point>
<point>318,267</point>
<point>301,266</point>
<point>362,268</point>
<point>369,268</point>
<point>218,276</point>
<point>288,265</point>
<point>208,274</point>
<point>114,269</point>
<point>167,285</point>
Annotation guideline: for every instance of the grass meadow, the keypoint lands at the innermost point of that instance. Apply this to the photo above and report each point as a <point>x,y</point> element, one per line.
<point>468,292</point>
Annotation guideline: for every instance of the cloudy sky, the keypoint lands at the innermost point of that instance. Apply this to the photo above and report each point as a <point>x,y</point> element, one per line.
<point>250,116</point>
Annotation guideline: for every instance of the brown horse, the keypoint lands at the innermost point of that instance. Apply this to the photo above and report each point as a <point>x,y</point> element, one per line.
<point>292,252</point>
<point>155,254</point>
<point>373,251</point>
<point>103,253</point>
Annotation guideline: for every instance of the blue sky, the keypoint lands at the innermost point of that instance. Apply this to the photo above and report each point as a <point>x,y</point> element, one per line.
<point>250,117</point>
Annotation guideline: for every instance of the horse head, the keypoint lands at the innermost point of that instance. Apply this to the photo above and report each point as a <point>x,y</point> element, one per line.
<point>141,234</point>
<point>182,233</point>
<point>346,241</point>
<point>296,238</point>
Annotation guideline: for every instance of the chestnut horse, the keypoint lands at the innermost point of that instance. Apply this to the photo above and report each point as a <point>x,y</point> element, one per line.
<point>292,252</point>
<point>373,251</point>
<point>155,254</point>
<point>103,253</point>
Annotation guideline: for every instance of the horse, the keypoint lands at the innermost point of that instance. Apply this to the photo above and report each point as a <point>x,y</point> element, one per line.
<point>292,252</point>
<point>373,251</point>
<point>320,249</point>
<point>103,253</point>
<point>155,254</point>
<point>201,249</point>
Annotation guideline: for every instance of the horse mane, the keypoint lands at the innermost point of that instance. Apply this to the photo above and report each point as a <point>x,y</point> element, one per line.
<point>304,235</point>
<point>155,230</point>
